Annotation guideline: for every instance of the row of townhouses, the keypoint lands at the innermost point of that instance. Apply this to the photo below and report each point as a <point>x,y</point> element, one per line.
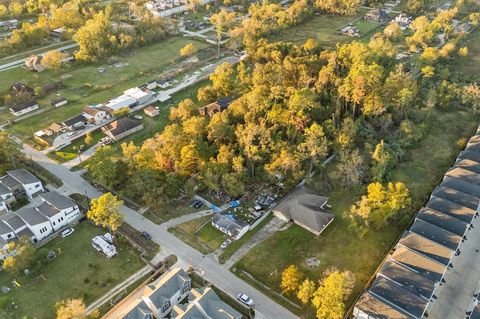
<point>47,212</point>
<point>172,296</point>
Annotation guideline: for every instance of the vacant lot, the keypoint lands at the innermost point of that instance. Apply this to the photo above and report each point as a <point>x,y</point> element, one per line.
<point>78,271</point>
<point>85,85</point>
<point>207,240</point>
<point>323,28</point>
<point>338,246</point>
<point>470,65</point>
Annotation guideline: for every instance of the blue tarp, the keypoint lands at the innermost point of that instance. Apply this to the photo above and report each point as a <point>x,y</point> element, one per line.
<point>234,203</point>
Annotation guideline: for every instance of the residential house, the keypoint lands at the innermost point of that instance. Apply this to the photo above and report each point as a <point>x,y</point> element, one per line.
<point>34,63</point>
<point>172,296</point>
<point>95,115</point>
<point>59,102</point>
<point>49,213</point>
<point>75,123</point>
<point>163,83</point>
<point>122,127</point>
<point>58,209</point>
<point>6,197</point>
<point>16,227</point>
<point>55,128</point>
<point>24,108</point>
<point>151,111</point>
<point>230,225</point>
<point>19,89</point>
<point>205,304</point>
<point>155,300</point>
<point>305,208</point>
<point>377,15</point>
<point>403,20</point>
<point>30,184</point>
<point>215,107</point>
<point>39,225</point>
<point>150,85</point>
<point>52,87</point>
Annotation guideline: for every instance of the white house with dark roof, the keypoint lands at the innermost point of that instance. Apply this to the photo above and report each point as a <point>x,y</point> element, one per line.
<point>38,224</point>
<point>60,210</point>
<point>228,224</point>
<point>29,182</point>
<point>24,108</point>
<point>48,214</point>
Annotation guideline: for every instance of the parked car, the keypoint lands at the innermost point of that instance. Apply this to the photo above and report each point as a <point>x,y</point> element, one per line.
<point>246,300</point>
<point>67,232</point>
<point>225,244</point>
<point>138,117</point>
<point>196,204</point>
<point>146,235</point>
<point>105,141</point>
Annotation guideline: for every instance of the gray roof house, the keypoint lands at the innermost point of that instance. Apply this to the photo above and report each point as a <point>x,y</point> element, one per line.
<point>305,208</point>
<point>122,127</point>
<point>23,176</point>
<point>228,224</point>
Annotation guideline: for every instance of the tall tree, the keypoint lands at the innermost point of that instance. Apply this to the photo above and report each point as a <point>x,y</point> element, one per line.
<point>105,212</point>
<point>306,291</point>
<point>291,279</point>
<point>329,299</point>
<point>222,20</point>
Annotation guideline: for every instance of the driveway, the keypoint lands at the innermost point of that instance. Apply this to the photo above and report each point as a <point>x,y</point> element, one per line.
<point>214,272</point>
<point>268,230</point>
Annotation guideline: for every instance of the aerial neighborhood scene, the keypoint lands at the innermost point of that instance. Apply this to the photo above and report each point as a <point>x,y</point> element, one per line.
<point>239,159</point>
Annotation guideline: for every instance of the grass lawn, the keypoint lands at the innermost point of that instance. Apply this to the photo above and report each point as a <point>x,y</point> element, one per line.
<point>207,240</point>
<point>469,65</point>
<point>323,28</point>
<point>365,26</point>
<point>166,211</point>
<point>85,85</point>
<point>338,246</point>
<point>77,271</point>
<point>230,250</point>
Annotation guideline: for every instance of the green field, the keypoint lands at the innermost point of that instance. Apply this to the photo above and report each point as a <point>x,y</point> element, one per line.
<point>85,85</point>
<point>78,271</point>
<point>207,240</point>
<point>469,65</point>
<point>338,246</point>
<point>323,28</point>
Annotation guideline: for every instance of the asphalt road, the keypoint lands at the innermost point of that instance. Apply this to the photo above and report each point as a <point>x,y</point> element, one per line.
<point>218,274</point>
<point>19,62</point>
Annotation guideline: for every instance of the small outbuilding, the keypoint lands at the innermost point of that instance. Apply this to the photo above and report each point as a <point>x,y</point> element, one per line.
<point>59,102</point>
<point>151,111</point>
<point>377,15</point>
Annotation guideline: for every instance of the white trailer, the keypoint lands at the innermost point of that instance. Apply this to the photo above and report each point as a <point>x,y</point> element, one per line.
<point>101,245</point>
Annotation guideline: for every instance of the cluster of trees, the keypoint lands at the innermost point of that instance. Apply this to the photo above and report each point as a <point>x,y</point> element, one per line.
<point>99,38</point>
<point>328,298</point>
<point>96,31</point>
<point>380,206</point>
